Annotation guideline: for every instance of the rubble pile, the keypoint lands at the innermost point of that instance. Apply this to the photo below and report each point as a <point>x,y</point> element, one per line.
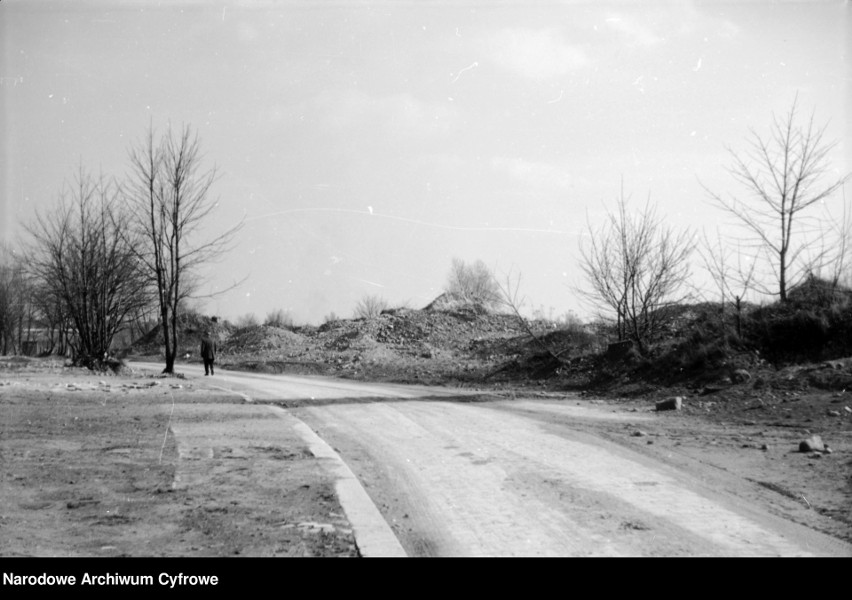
<point>450,340</point>
<point>261,339</point>
<point>191,328</point>
<point>401,345</point>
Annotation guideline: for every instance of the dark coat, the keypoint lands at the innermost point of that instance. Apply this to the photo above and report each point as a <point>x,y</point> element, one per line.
<point>208,348</point>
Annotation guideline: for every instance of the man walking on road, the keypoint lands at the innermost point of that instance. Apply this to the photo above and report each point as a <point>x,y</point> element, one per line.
<point>208,352</point>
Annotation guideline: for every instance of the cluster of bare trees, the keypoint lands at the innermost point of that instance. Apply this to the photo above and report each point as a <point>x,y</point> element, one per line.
<point>110,252</point>
<point>82,255</point>
<point>473,283</point>
<point>32,318</point>
<point>636,266</point>
<point>15,302</point>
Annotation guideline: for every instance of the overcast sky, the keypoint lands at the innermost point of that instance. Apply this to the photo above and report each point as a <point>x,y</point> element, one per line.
<point>366,144</point>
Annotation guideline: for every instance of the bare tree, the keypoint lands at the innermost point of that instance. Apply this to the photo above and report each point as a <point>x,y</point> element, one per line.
<point>511,298</point>
<point>782,174</point>
<point>733,283</point>
<point>369,307</point>
<point>474,284</point>
<point>13,299</point>
<point>841,227</point>
<point>636,267</point>
<point>82,253</point>
<point>169,197</point>
<point>52,316</point>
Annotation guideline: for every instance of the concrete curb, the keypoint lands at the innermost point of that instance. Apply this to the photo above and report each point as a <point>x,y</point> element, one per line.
<point>373,535</point>
<point>246,398</point>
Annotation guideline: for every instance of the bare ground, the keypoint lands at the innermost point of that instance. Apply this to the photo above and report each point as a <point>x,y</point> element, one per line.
<point>89,465</point>
<point>89,469</point>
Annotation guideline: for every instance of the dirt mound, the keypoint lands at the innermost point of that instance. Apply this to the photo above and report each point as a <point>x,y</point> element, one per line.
<point>191,328</point>
<point>448,302</point>
<point>398,345</point>
<point>415,332</point>
<point>260,339</point>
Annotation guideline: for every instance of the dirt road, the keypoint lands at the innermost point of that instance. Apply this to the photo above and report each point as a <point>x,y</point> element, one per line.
<point>525,477</point>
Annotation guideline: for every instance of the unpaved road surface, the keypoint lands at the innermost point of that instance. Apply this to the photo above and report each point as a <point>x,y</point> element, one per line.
<point>526,477</point>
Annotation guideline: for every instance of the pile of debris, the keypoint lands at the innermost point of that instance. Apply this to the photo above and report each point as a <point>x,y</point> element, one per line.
<point>452,340</point>
<point>191,328</point>
<point>400,345</point>
<point>261,340</point>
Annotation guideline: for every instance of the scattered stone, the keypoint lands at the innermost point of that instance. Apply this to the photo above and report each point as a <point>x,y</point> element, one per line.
<point>812,444</point>
<point>764,447</point>
<point>650,442</point>
<point>847,409</point>
<point>639,433</point>
<point>834,413</point>
<point>816,455</point>
<point>675,403</point>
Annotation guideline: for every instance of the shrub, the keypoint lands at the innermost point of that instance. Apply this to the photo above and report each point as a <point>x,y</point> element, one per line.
<point>279,318</point>
<point>369,307</point>
<point>814,324</point>
<point>573,338</point>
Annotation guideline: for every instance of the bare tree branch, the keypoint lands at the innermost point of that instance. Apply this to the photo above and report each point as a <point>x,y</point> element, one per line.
<point>83,252</point>
<point>781,174</point>
<point>169,196</point>
<point>511,299</point>
<point>636,268</point>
